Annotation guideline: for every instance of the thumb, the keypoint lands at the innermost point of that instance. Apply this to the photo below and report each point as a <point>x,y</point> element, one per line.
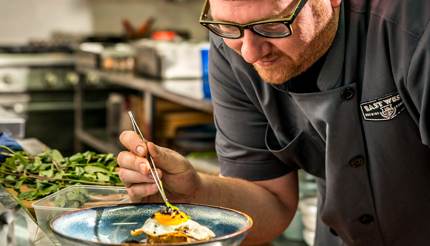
<point>168,160</point>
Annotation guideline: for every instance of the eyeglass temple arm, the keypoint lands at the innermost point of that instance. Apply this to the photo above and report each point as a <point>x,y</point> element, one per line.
<point>205,10</point>
<point>297,9</point>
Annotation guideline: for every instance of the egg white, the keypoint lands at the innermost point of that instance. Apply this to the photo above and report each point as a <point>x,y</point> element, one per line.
<point>195,230</point>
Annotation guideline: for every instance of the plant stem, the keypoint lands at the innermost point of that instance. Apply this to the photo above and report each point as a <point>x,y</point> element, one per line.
<point>54,179</point>
<point>7,148</point>
<point>6,153</point>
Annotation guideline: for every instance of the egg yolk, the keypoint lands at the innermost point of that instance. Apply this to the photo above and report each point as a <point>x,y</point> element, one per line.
<point>176,217</point>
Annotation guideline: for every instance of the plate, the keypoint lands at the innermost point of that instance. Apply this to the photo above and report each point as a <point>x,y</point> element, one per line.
<point>111,225</point>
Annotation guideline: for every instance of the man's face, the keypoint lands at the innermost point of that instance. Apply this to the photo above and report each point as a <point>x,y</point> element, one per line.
<point>279,59</point>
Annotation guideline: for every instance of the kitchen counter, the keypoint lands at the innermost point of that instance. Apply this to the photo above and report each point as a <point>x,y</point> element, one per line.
<point>26,231</point>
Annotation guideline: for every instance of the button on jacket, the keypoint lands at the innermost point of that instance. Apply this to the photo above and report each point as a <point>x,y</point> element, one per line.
<point>363,132</point>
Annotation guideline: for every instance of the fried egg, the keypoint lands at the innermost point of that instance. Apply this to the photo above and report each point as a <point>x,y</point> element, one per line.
<point>170,224</point>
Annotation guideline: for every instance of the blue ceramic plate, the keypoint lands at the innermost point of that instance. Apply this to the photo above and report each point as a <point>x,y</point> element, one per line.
<point>112,225</point>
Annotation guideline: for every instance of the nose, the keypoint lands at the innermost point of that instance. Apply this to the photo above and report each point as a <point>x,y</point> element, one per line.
<point>253,47</point>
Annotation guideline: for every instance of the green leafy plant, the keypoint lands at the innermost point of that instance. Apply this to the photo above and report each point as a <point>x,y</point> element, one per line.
<point>49,171</point>
<point>72,199</point>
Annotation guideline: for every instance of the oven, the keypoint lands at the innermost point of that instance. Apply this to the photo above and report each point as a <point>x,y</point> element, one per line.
<point>39,86</point>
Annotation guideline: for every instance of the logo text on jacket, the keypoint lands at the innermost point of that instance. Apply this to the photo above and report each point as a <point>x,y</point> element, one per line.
<point>383,108</point>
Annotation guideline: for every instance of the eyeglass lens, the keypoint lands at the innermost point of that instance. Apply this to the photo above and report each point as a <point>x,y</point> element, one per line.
<point>266,30</point>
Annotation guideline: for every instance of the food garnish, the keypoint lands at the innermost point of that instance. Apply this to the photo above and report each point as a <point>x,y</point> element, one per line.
<point>169,225</point>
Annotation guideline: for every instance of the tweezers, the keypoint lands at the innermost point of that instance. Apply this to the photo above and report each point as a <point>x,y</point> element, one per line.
<point>152,167</point>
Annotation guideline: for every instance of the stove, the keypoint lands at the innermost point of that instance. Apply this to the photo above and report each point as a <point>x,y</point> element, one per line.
<point>18,79</point>
<point>37,82</point>
<point>31,75</point>
<point>36,67</point>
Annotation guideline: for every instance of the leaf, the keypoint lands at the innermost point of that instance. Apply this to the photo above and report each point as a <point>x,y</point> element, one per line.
<point>79,171</point>
<point>88,156</point>
<point>94,169</point>
<point>36,164</point>
<point>20,159</point>
<point>102,177</point>
<point>109,157</point>
<point>74,198</point>
<point>76,157</point>
<point>44,166</point>
<point>20,168</point>
<point>47,173</point>
<point>59,175</point>
<point>29,195</point>
<point>10,178</point>
<point>48,190</point>
<point>56,156</point>
<point>60,201</point>
<point>19,184</point>
<point>90,177</point>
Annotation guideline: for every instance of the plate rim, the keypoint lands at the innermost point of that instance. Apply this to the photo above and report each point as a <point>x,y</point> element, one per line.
<point>243,230</point>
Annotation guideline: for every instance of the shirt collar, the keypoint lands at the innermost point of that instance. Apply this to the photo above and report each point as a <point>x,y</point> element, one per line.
<point>332,69</point>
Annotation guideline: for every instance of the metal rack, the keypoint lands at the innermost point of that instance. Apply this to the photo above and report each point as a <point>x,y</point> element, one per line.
<point>151,89</point>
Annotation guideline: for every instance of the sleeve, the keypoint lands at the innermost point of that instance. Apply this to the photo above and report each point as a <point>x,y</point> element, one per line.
<point>418,85</point>
<point>240,124</point>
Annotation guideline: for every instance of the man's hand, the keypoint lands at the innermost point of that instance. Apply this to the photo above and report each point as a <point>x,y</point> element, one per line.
<point>271,203</point>
<point>180,180</point>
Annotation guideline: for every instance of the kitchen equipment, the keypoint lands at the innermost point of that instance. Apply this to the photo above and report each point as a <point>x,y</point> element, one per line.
<point>204,52</point>
<point>88,55</point>
<point>112,224</point>
<point>37,83</point>
<point>12,124</point>
<point>117,58</point>
<point>115,106</point>
<point>168,60</point>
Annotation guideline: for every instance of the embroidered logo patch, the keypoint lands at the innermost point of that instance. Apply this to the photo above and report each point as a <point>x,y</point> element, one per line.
<point>384,108</point>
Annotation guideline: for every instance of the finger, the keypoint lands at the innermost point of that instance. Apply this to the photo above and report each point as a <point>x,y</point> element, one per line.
<point>129,160</point>
<point>146,170</point>
<point>133,142</point>
<point>137,192</point>
<point>130,177</point>
<point>167,159</point>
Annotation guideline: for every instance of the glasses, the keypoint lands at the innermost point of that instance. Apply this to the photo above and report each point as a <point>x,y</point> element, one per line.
<point>272,28</point>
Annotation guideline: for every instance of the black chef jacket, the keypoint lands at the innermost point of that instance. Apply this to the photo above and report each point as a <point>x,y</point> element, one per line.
<point>361,127</point>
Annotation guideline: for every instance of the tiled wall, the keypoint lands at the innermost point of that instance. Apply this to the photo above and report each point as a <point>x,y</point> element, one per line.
<point>21,20</point>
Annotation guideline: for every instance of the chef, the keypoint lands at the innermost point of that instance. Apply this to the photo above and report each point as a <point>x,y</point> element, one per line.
<point>340,89</point>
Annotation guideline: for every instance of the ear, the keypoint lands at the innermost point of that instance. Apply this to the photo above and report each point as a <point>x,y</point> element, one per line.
<point>335,3</point>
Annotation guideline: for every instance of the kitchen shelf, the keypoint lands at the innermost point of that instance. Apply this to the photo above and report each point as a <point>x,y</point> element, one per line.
<point>151,89</point>
<point>153,86</point>
<point>99,140</point>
